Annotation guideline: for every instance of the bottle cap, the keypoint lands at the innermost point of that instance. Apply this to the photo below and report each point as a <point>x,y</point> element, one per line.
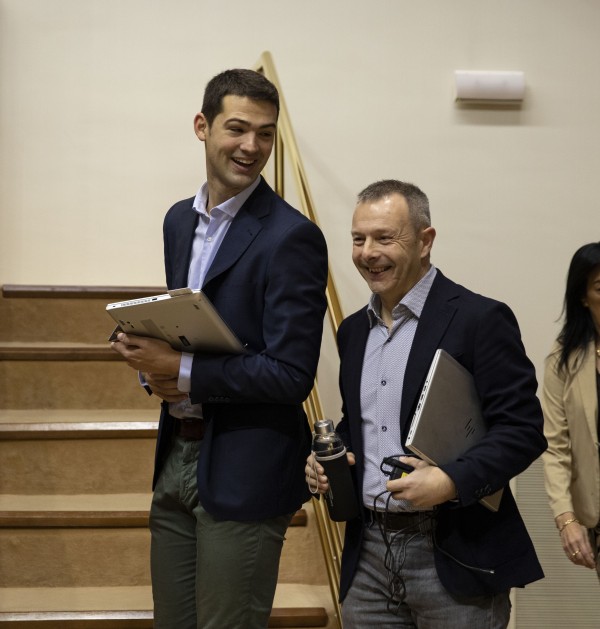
<point>323,426</point>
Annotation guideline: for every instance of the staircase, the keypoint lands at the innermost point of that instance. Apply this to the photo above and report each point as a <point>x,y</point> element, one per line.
<point>77,442</point>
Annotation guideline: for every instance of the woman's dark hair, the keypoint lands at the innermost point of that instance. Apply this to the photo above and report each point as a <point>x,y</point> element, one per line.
<point>578,328</point>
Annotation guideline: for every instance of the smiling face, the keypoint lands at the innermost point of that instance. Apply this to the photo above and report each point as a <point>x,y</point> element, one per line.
<point>387,250</point>
<point>238,145</point>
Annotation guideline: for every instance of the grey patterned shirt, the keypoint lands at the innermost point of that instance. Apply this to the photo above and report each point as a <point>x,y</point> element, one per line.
<point>384,365</point>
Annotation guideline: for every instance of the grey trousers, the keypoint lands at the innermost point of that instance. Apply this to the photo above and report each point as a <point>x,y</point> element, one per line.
<point>423,602</point>
<point>207,573</point>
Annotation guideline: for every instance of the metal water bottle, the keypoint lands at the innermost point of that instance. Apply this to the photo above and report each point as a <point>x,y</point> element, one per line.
<point>330,452</point>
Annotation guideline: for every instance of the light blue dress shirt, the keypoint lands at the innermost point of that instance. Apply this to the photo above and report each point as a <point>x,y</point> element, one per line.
<point>208,237</point>
<point>382,379</point>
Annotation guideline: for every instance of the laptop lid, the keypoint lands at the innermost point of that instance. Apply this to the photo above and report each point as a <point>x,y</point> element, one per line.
<point>185,318</point>
<point>448,419</point>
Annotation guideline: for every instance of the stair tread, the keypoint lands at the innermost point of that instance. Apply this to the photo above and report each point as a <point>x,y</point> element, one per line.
<point>136,598</point>
<point>79,510</point>
<point>74,511</point>
<point>76,502</point>
<point>74,416</point>
<point>57,351</point>
<point>57,599</point>
<point>115,293</point>
<point>77,423</point>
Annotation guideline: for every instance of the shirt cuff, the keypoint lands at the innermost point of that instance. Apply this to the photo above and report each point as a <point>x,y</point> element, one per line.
<point>184,382</point>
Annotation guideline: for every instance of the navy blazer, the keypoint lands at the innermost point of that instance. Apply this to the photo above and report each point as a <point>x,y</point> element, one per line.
<point>477,551</point>
<point>268,282</point>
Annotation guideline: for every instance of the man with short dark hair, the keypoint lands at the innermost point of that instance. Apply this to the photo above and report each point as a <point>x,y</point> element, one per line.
<point>233,436</point>
<point>424,552</point>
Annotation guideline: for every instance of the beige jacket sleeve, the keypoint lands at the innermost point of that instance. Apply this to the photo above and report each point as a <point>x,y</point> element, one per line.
<point>571,462</point>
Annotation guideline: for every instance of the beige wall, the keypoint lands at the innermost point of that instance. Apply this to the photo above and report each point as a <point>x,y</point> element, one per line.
<point>98,96</point>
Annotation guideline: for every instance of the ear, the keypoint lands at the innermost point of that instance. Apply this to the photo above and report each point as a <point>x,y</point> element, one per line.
<point>584,301</point>
<point>200,126</point>
<point>427,238</point>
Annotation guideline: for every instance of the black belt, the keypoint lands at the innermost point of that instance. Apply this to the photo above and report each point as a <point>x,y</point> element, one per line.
<point>397,521</point>
<point>193,428</point>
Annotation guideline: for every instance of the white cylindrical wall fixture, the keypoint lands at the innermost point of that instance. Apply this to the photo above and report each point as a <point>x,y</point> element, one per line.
<point>489,86</point>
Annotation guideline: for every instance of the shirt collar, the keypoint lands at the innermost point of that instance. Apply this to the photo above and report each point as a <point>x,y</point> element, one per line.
<point>413,301</point>
<point>230,207</point>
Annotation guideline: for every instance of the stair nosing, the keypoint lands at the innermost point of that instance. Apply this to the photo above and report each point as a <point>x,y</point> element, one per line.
<point>28,351</point>
<point>114,293</point>
<point>77,430</point>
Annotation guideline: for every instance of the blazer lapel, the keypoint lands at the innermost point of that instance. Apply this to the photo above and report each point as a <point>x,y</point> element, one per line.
<point>435,319</point>
<point>184,237</point>
<point>243,230</point>
<point>354,366</point>
<point>586,382</point>
<point>350,376</point>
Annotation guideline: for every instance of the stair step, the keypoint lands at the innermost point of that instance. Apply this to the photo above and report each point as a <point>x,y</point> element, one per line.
<point>76,451</point>
<point>77,423</point>
<point>74,511</point>
<point>87,510</point>
<point>55,313</point>
<point>89,540</point>
<point>74,557</point>
<point>57,351</point>
<point>70,384</point>
<point>111,293</point>
<point>295,605</point>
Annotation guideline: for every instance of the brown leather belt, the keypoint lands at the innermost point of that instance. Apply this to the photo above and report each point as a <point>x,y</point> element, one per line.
<point>396,521</point>
<point>193,428</point>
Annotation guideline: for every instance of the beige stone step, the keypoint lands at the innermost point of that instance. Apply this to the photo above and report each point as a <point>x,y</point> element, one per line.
<point>62,313</point>
<point>67,541</point>
<point>57,351</point>
<point>296,606</point>
<point>30,384</point>
<point>42,423</point>
<point>74,511</point>
<point>76,451</point>
<point>92,510</point>
<point>72,540</point>
<point>70,557</point>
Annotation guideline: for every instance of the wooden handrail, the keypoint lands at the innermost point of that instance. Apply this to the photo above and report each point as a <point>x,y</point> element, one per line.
<point>287,148</point>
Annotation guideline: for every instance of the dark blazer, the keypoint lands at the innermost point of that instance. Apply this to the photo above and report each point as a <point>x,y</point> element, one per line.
<point>483,335</point>
<point>268,282</point>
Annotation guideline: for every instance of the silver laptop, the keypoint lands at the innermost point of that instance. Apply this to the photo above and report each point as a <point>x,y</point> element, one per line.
<point>448,419</point>
<point>184,318</point>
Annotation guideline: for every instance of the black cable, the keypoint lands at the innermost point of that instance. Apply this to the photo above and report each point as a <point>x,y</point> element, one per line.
<point>393,560</point>
<point>392,563</point>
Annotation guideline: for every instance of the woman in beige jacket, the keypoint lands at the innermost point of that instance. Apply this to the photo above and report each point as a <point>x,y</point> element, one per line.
<point>570,403</point>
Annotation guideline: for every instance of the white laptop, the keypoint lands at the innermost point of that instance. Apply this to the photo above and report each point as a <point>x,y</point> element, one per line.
<point>448,419</point>
<point>184,318</point>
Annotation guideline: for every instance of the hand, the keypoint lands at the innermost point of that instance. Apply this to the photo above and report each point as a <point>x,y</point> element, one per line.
<point>147,355</point>
<point>315,474</point>
<point>165,387</point>
<point>425,487</point>
<point>575,541</point>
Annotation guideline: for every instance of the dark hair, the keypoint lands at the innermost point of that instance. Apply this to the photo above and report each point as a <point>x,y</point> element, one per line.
<point>238,82</point>
<point>416,199</point>
<point>578,328</point>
